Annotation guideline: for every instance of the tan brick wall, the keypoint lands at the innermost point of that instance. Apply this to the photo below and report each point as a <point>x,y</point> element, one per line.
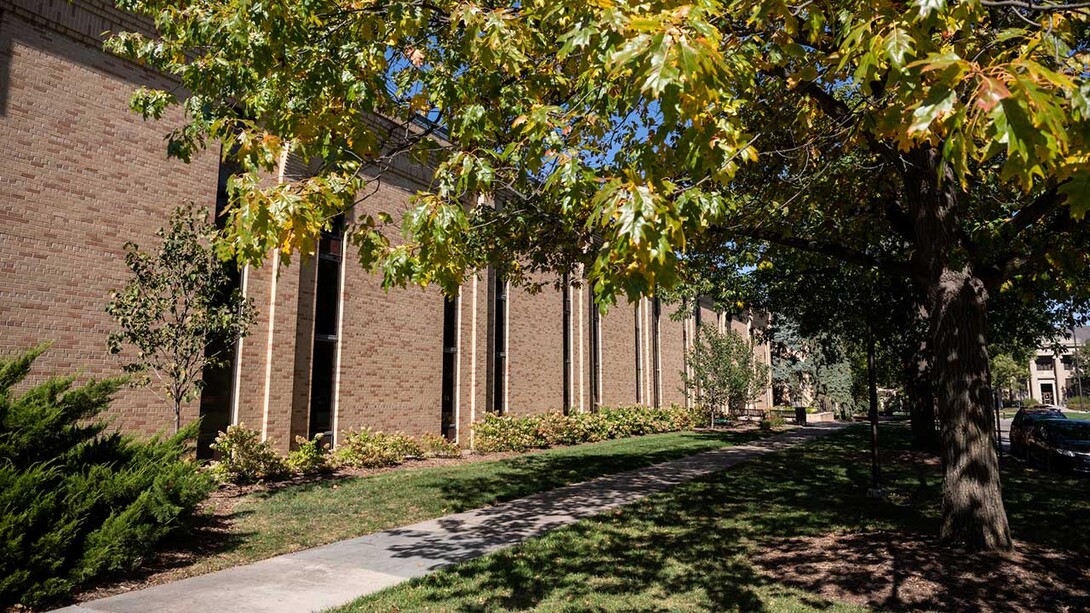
<point>581,358</point>
<point>79,176</point>
<point>619,355</point>
<point>391,345</point>
<point>82,175</point>
<point>672,355</point>
<point>535,350</point>
<point>474,356</point>
<point>710,318</point>
<point>275,402</point>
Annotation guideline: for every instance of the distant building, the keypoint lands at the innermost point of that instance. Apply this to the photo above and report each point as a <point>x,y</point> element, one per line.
<point>1052,370</point>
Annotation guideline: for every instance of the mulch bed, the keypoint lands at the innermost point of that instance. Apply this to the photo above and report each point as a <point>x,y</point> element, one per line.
<point>897,571</point>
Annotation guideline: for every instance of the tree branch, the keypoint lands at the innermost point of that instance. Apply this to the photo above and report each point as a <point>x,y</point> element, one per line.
<point>1030,214</point>
<point>832,250</point>
<point>1047,7</point>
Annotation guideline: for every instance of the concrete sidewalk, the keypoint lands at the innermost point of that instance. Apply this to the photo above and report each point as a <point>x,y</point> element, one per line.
<point>335,574</point>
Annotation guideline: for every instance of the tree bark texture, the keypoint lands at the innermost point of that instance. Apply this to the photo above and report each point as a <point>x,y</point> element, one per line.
<point>972,506</point>
<point>921,400</point>
<point>872,384</point>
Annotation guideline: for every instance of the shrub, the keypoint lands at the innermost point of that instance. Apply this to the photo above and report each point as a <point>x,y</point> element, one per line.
<point>506,433</point>
<point>370,449</point>
<point>771,422</point>
<point>436,446</point>
<point>1078,403</point>
<point>77,503</point>
<point>309,457</point>
<point>245,458</point>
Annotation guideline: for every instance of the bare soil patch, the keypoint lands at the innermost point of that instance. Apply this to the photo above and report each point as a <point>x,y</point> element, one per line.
<point>898,571</point>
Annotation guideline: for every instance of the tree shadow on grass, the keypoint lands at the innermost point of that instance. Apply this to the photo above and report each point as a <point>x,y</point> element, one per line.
<point>684,549</point>
<point>522,476</point>
<point>746,538</point>
<point>903,571</point>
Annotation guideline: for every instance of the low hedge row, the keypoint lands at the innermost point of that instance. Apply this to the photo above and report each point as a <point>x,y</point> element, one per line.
<point>245,458</point>
<point>506,433</point>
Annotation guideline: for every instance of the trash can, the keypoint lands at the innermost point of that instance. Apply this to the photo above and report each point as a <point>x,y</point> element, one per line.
<point>800,416</point>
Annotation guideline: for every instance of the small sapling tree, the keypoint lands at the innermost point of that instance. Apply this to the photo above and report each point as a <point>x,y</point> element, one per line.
<point>178,308</point>
<point>724,372</point>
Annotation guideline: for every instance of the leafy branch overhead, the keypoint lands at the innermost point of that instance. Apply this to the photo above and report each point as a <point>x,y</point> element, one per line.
<point>943,144</point>
<point>623,123</point>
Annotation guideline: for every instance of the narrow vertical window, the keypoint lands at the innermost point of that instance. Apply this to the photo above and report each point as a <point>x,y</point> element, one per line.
<point>499,349</point>
<point>595,355</point>
<point>326,303</point>
<point>656,385</point>
<point>216,399</point>
<point>566,327</point>
<point>448,427</point>
<point>639,357</point>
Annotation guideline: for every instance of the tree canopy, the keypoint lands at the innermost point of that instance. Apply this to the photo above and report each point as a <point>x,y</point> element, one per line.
<point>945,143</point>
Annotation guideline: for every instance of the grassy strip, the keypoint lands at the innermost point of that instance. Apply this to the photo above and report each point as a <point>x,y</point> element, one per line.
<point>298,517</point>
<point>689,549</point>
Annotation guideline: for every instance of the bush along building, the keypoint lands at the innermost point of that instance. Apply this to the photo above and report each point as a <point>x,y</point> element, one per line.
<point>330,351</point>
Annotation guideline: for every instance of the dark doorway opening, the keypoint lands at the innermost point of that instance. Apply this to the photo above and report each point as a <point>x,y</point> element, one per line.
<point>217,397</point>
<point>595,355</point>
<point>499,348</point>
<point>656,312</point>
<point>1048,394</point>
<point>448,423</point>
<point>326,307</point>
<point>566,328</point>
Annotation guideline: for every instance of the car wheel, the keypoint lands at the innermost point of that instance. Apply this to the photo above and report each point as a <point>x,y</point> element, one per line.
<point>1049,467</point>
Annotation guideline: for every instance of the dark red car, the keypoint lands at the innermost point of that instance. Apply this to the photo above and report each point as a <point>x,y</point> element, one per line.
<point>1023,424</point>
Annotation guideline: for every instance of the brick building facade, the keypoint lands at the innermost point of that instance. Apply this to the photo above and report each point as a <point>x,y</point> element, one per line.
<point>80,175</point>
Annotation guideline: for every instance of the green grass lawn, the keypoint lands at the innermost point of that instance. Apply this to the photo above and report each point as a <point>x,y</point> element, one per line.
<point>689,549</point>
<point>275,522</point>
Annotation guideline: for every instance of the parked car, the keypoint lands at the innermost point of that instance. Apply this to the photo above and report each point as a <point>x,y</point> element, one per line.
<point>1060,445</point>
<point>1024,422</point>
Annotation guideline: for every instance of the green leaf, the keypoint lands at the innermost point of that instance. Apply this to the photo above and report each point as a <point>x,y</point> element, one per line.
<point>663,72</point>
<point>1080,101</point>
<point>940,101</point>
<point>1077,191</point>
<point>898,45</point>
<point>929,6</point>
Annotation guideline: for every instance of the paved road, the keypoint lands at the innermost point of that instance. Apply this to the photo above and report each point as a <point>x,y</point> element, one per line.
<point>338,573</point>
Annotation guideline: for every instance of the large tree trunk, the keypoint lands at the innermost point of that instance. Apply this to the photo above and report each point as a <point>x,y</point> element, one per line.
<point>972,504</point>
<point>921,400</point>
<point>872,385</point>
